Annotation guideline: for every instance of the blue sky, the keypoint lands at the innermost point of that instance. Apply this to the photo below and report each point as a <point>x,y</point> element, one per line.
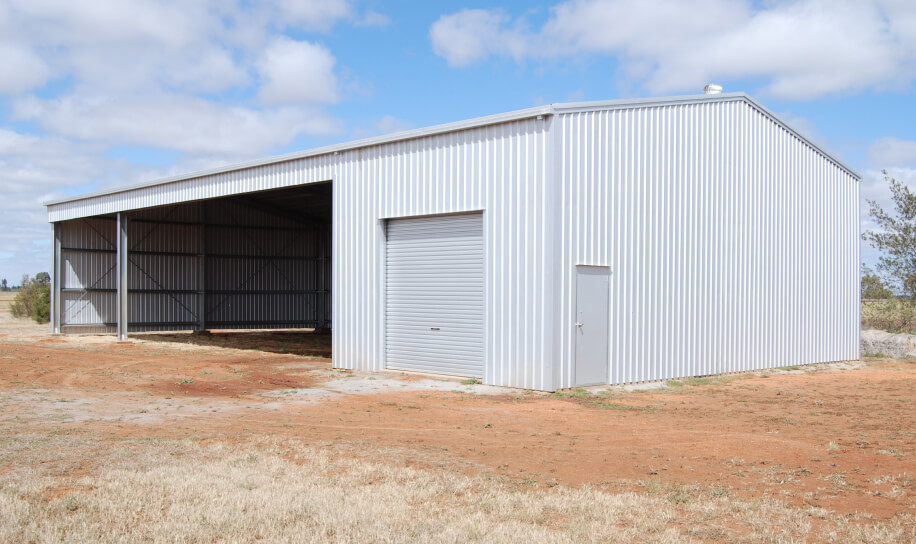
<point>98,94</point>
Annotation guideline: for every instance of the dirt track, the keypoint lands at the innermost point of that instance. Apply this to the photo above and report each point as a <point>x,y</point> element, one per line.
<point>841,439</point>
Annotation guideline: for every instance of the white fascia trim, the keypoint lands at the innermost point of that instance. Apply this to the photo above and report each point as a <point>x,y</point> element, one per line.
<point>528,113</point>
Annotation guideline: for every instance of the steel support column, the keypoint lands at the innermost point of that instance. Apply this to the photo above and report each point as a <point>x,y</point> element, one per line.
<point>122,276</point>
<point>321,280</point>
<point>56,277</point>
<point>202,270</point>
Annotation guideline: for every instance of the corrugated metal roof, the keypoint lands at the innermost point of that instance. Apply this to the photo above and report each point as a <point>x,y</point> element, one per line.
<point>528,113</point>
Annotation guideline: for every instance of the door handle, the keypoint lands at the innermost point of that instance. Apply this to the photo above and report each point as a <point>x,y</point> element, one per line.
<point>578,324</point>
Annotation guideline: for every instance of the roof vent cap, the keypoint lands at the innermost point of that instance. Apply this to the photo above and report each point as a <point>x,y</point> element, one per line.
<point>712,88</point>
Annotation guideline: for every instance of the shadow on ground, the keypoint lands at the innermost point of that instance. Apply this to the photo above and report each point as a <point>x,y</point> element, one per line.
<point>296,342</point>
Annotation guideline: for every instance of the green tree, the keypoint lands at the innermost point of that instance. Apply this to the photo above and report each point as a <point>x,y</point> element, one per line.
<point>34,298</point>
<point>41,306</point>
<point>872,286</point>
<point>3,285</point>
<point>895,238</point>
<point>22,304</point>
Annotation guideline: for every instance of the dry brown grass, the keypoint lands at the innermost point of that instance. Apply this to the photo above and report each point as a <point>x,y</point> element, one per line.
<point>6,298</point>
<point>75,488</point>
<point>18,327</point>
<point>892,315</point>
<point>93,450</point>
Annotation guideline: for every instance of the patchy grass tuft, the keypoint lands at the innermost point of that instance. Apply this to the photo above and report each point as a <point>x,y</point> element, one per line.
<point>278,491</point>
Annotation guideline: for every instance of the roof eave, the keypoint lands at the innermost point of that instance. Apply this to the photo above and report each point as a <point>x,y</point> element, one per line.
<point>528,113</point>
<point>327,150</point>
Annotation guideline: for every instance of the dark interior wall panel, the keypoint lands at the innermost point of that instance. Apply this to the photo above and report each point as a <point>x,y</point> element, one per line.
<point>88,277</point>
<point>88,311</point>
<point>88,269</point>
<point>164,262</point>
<point>264,311</point>
<point>163,272</point>
<point>183,238</point>
<point>266,277</point>
<point>240,262</point>
<point>155,311</point>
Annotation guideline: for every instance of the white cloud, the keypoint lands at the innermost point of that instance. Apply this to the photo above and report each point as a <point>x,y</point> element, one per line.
<point>33,163</point>
<point>806,50</point>
<point>806,127</point>
<point>22,69</point>
<point>898,159</point>
<point>32,170</point>
<point>893,153</point>
<point>314,14</point>
<point>322,15</point>
<point>218,81</point>
<point>204,68</point>
<point>33,166</point>
<point>388,124</point>
<point>210,69</point>
<point>168,23</point>
<point>205,46</point>
<point>803,49</point>
<point>373,18</point>
<point>472,35</point>
<point>173,121</point>
<point>297,73</point>
<point>130,44</point>
<point>575,96</point>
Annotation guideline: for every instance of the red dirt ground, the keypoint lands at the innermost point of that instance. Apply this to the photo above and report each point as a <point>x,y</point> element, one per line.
<point>844,440</point>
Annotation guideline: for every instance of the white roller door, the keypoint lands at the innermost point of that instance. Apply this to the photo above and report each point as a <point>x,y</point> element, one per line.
<point>435,299</point>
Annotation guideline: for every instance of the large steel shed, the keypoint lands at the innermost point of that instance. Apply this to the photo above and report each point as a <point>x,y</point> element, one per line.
<point>563,245</point>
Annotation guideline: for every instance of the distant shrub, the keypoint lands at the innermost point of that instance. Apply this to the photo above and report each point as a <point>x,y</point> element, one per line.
<point>41,307</point>
<point>33,299</point>
<point>873,288</point>
<point>892,315</point>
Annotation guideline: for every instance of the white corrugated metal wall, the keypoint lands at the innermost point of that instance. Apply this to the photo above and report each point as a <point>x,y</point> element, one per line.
<point>733,243</point>
<point>730,239</point>
<point>88,262</point>
<point>501,169</point>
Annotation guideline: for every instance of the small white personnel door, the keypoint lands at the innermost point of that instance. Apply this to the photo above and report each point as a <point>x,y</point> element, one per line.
<point>434,299</point>
<point>591,325</point>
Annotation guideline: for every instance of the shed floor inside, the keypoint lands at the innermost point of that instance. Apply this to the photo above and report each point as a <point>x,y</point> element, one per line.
<point>303,342</point>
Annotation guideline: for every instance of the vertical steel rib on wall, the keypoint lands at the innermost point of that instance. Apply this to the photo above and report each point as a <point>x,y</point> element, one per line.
<point>163,266</point>
<point>733,243</point>
<point>56,267</point>
<point>500,169</point>
<point>263,270</point>
<point>728,238</point>
<point>87,262</point>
